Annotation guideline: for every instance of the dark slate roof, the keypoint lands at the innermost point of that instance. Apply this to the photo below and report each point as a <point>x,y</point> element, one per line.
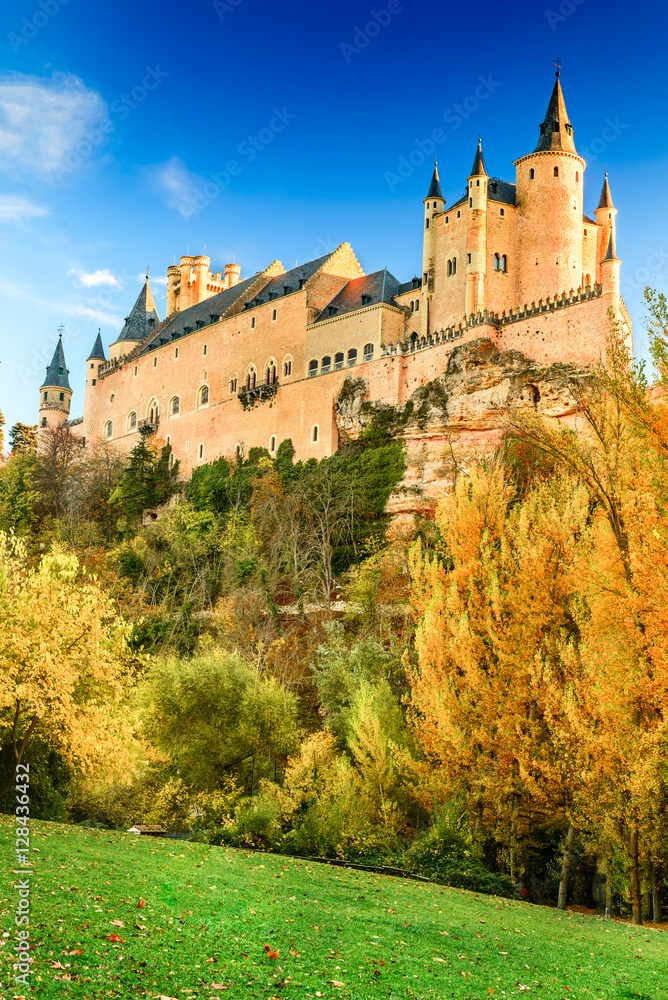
<point>202,312</point>
<point>407,286</point>
<point>611,255</point>
<point>97,354</point>
<point>478,163</point>
<point>56,373</point>
<point>606,198</point>
<point>435,186</point>
<point>559,137</point>
<point>585,218</point>
<point>505,193</point>
<point>137,325</point>
<point>292,277</point>
<point>381,286</point>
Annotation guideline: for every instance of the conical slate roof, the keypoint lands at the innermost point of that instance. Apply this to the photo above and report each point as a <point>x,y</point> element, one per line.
<point>611,254</point>
<point>137,324</point>
<point>556,132</point>
<point>478,163</point>
<point>56,373</point>
<point>97,354</point>
<point>435,186</point>
<point>606,197</point>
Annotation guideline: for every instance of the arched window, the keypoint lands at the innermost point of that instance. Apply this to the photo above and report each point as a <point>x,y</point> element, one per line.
<point>273,314</point>
<point>153,413</point>
<point>272,445</point>
<point>43,421</point>
<point>132,421</point>
<point>234,383</point>
<point>201,451</point>
<point>588,280</point>
<point>287,366</point>
<point>111,398</point>
<point>414,341</point>
<point>497,262</point>
<point>313,368</point>
<point>532,174</point>
<point>176,353</point>
<point>368,352</point>
<point>174,406</point>
<point>504,263</point>
<point>270,372</point>
<point>556,171</point>
<point>449,268</point>
<point>338,361</point>
<point>251,378</point>
<point>314,433</point>
<point>426,224</point>
<point>585,232</point>
<point>325,365</point>
<point>203,396</point>
<point>454,265</point>
<point>253,323</point>
<point>352,357</point>
<point>412,306</point>
<point>417,305</point>
<point>109,428</point>
<point>238,450</point>
<point>577,176</point>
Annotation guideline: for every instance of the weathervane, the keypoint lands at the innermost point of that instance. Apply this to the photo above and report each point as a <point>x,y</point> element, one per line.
<point>148,268</point>
<point>60,330</point>
<point>558,63</point>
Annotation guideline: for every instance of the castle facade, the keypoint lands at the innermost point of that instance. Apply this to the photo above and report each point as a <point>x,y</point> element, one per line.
<point>239,363</point>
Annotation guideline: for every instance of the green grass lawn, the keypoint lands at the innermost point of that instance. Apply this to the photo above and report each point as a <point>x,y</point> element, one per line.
<point>209,912</point>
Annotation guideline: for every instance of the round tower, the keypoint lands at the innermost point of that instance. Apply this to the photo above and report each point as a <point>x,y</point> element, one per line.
<point>55,394</point>
<point>232,275</point>
<point>173,282</point>
<point>185,289</point>
<point>433,204</point>
<point>549,209</point>
<point>476,238</point>
<point>606,219</point>
<point>94,360</point>
<point>202,265</point>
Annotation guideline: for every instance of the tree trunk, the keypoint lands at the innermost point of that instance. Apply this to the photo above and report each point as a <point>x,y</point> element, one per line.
<point>656,895</point>
<point>634,858</point>
<point>478,830</point>
<point>566,862</point>
<point>513,837</point>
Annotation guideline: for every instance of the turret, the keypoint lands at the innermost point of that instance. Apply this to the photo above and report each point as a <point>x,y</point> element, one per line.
<point>173,283</point>
<point>549,208</point>
<point>232,275</point>
<point>433,204</point>
<point>138,325</point>
<point>606,218</point>
<point>94,360</point>
<point>610,266</point>
<point>476,241</point>
<point>202,268</point>
<point>187,281</point>
<point>55,392</point>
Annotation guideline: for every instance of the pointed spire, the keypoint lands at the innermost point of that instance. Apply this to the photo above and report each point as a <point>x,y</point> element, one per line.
<point>97,354</point>
<point>435,186</point>
<point>556,131</point>
<point>478,163</point>
<point>138,324</point>
<point>611,254</point>
<point>606,198</point>
<point>56,373</point>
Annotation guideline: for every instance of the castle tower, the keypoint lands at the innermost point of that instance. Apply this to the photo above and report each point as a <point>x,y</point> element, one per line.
<point>138,325</point>
<point>549,201</point>
<point>202,266</point>
<point>93,362</point>
<point>433,204</point>
<point>186,283</point>
<point>55,395</point>
<point>173,283</point>
<point>476,240</point>
<point>610,266</point>
<point>232,275</point>
<point>606,218</point>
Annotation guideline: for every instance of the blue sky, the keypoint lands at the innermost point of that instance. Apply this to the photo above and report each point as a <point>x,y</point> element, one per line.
<point>130,132</point>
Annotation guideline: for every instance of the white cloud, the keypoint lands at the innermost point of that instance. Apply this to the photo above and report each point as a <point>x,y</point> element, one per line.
<point>155,279</point>
<point>48,125</point>
<point>177,183</point>
<point>14,207</point>
<point>92,279</point>
<point>85,312</point>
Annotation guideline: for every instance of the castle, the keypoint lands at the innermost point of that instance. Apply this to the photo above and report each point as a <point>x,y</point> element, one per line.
<point>244,363</point>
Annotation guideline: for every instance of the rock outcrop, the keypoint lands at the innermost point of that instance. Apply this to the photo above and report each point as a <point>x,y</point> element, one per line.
<point>458,418</point>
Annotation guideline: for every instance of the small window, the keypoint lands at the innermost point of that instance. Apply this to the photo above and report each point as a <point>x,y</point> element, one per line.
<point>176,353</point>
<point>532,174</point>
<point>417,305</point>
<point>204,350</point>
<point>493,187</point>
<point>201,451</point>
<point>272,445</point>
<point>504,263</point>
<point>136,369</point>
<point>426,223</point>
<point>253,323</point>
<point>234,382</point>
<point>468,258</point>
<point>62,397</point>
<point>435,205</point>
<point>312,368</point>
<point>94,381</point>
<point>556,171</point>
<point>368,352</point>
<point>314,433</point>
<point>585,232</point>
<point>92,365</point>
<point>155,362</point>
<point>111,398</point>
<point>204,395</point>
<point>325,365</point>
<point>176,406</point>
<point>425,276</point>
<point>459,215</point>
<point>43,421</point>
<point>447,220</point>
<point>449,268</point>
<point>412,306</point>
<point>108,428</point>
<point>454,265</point>
<point>338,361</point>
<point>497,262</point>
<point>169,439</point>
<point>273,314</point>
<point>470,202</point>
<point>352,357</point>
<point>132,421</point>
<point>577,176</point>
<point>502,212</point>
<point>287,368</point>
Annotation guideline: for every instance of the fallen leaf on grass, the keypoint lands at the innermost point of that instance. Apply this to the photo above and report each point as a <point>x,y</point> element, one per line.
<point>437,959</point>
<point>78,951</point>
<point>141,903</point>
<point>118,923</point>
<point>140,927</point>
<point>115,937</point>
<point>57,965</point>
<point>337,983</point>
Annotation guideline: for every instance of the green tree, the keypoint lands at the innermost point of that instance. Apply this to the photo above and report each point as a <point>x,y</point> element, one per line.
<point>23,439</point>
<point>149,480</point>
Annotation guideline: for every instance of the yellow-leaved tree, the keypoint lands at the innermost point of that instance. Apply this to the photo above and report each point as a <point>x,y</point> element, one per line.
<point>63,661</point>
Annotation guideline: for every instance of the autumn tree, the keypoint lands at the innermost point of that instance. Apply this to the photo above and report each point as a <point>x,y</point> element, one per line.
<point>23,439</point>
<point>150,478</point>
<point>63,660</point>
<point>56,468</point>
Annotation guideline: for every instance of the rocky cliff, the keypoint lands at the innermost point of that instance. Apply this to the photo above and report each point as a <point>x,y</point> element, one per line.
<point>458,418</point>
